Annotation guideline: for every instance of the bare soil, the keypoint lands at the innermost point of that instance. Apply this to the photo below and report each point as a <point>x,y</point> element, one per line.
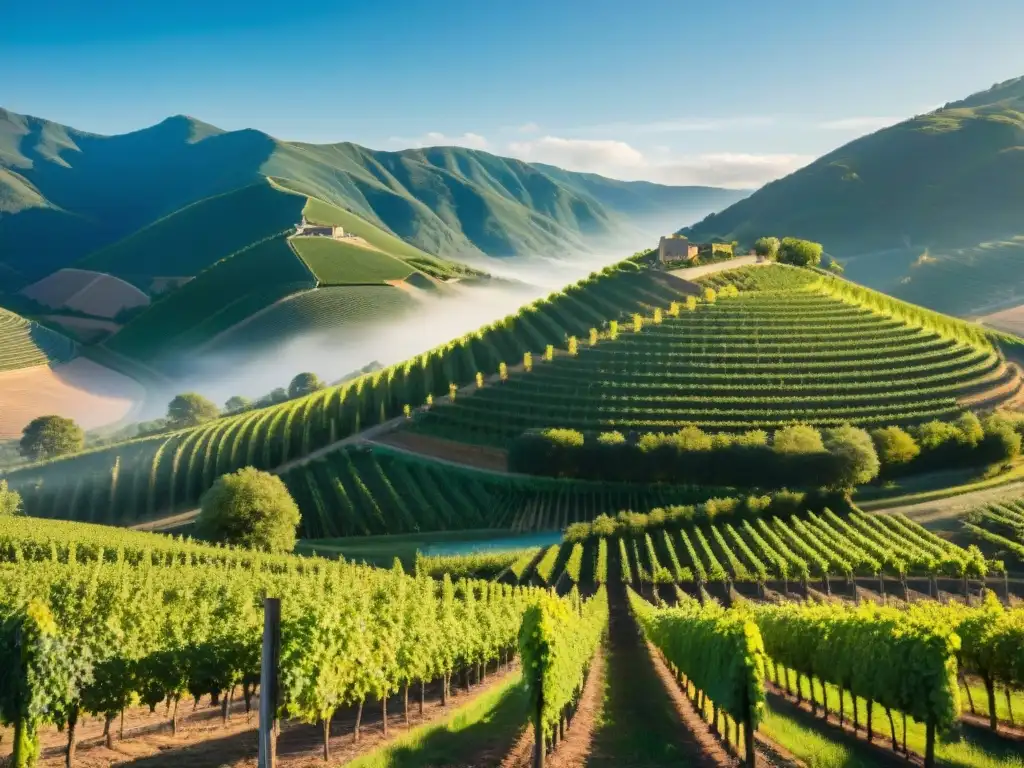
<point>82,390</point>
<point>95,293</point>
<point>483,457</point>
<point>202,741</point>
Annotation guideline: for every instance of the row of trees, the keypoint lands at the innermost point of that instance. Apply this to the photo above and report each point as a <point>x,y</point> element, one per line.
<point>47,437</point>
<point>789,250</point>
<point>798,456</point>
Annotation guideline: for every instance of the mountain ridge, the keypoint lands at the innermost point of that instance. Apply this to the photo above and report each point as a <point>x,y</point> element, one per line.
<point>66,193</point>
<point>914,209</point>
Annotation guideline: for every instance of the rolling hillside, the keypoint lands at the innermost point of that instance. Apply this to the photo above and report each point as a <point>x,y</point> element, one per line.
<point>68,195</point>
<point>928,210</point>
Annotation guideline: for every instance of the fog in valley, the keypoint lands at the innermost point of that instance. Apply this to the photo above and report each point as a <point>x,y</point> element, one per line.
<point>435,320</point>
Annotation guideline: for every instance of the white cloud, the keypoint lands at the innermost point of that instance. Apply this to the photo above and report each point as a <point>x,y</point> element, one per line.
<point>578,154</point>
<point>620,160</point>
<point>438,139</point>
<point>529,128</point>
<point>865,123</point>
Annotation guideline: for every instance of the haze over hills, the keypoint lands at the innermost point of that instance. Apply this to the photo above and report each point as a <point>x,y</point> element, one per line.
<point>65,193</point>
<point>928,210</point>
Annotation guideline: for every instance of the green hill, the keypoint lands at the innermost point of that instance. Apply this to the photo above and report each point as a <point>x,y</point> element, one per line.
<point>337,262</point>
<point>938,186</point>
<point>71,194</point>
<point>218,298</point>
<point>794,346</point>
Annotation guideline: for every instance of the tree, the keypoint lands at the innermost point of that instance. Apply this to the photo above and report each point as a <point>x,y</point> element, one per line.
<point>304,384</point>
<point>237,403</point>
<point>799,438</point>
<point>251,508</point>
<point>49,436</point>
<point>10,500</point>
<point>895,446</point>
<point>190,410</point>
<point>767,248</point>
<point>799,253</point>
<point>855,455</point>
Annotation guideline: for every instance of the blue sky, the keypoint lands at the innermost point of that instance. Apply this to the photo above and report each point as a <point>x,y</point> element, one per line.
<point>732,92</point>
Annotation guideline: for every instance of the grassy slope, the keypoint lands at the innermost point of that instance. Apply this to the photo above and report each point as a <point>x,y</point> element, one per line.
<point>336,262</point>
<point>320,212</point>
<point>318,311</point>
<point>943,182</point>
<point>490,722</point>
<point>218,298</point>
<point>197,236</point>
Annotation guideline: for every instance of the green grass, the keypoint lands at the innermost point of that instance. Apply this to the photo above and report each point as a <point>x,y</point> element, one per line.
<point>336,262</point>
<point>218,298</point>
<point>194,238</point>
<point>24,343</point>
<point>883,501</point>
<point>811,746</point>
<point>381,550</point>
<point>491,722</point>
<point>321,310</point>
<point>972,748</point>
<point>1002,711</point>
<point>320,212</point>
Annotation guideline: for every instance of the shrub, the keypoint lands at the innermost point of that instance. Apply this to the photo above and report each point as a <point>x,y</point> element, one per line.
<point>799,253</point>
<point>47,436</point>
<point>854,453</point>
<point>10,500</point>
<point>190,410</point>
<point>249,508</point>
<point>799,438</point>
<point>304,384</point>
<point>895,446</point>
<point>767,247</point>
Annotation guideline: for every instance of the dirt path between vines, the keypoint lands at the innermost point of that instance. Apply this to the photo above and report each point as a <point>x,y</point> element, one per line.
<point>203,742</point>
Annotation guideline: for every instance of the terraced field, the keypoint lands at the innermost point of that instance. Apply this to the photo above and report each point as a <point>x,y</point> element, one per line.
<point>321,310</point>
<point>779,353</point>
<point>336,262</point>
<point>24,344</point>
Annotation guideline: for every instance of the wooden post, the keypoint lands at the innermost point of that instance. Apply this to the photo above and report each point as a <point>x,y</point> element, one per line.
<point>538,731</point>
<point>929,744</point>
<point>267,750</point>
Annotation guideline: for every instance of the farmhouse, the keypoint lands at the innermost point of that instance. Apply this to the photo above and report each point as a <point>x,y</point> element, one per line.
<point>679,248</point>
<point>308,229</point>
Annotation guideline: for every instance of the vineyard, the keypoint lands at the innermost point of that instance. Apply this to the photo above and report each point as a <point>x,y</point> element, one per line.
<point>24,343</point>
<point>145,477</point>
<point>810,352</point>
<point>999,527</point>
<point>732,547</point>
<point>905,675</point>
<point>335,262</point>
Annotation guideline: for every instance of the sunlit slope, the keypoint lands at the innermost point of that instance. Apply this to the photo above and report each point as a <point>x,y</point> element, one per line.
<point>24,344</point>
<point>939,185</point>
<point>199,235</point>
<point>784,350</point>
<point>218,298</point>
